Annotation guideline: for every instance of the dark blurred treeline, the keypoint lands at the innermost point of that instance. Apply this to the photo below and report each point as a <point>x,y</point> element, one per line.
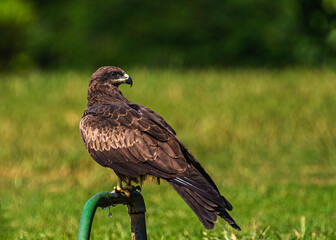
<point>84,33</point>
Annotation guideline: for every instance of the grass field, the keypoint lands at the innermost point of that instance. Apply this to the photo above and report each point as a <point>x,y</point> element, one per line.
<point>267,138</point>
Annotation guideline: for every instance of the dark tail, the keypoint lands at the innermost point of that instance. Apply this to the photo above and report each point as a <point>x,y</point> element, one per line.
<point>204,200</point>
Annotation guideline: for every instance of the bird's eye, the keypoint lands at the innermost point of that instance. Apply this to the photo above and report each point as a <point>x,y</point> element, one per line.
<point>115,75</point>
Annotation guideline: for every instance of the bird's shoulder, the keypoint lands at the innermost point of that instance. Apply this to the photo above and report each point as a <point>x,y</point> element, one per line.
<point>121,119</point>
<point>112,111</point>
<point>149,113</point>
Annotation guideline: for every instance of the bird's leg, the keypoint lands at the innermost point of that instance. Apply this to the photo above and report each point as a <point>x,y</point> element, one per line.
<point>130,187</point>
<point>134,188</point>
<point>120,189</point>
<point>119,183</point>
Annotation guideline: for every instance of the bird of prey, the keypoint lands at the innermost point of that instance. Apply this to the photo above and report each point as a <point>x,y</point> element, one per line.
<point>136,142</point>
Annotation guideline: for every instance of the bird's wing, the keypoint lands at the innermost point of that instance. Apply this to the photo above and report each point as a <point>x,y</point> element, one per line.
<point>150,114</point>
<point>130,143</point>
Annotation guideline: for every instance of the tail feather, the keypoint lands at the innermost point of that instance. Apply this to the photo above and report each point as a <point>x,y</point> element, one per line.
<point>226,216</point>
<point>205,209</point>
<point>194,205</point>
<point>228,205</point>
<point>200,192</point>
<point>201,186</point>
<point>206,203</point>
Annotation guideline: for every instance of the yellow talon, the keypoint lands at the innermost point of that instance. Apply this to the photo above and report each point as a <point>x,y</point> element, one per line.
<point>119,189</point>
<point>127,190</point>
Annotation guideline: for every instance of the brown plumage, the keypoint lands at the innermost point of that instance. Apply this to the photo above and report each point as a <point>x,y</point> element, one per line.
<point>135,142</point>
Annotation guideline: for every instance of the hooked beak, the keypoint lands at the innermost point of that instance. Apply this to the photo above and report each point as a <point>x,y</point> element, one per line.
<point>128,80</point>
<point>124,79</point>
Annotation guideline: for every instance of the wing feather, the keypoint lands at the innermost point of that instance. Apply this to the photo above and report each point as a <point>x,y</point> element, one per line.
<point>121,134</point>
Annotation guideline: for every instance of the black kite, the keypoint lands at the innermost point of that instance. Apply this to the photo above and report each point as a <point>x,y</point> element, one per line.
<point>135,142</point>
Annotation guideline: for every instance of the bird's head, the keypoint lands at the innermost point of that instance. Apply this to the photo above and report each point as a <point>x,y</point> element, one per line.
<point>110,76</point>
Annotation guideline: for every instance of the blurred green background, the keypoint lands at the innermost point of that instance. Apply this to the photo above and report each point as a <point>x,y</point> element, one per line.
<point>83,33</point>
<point>248,85</point>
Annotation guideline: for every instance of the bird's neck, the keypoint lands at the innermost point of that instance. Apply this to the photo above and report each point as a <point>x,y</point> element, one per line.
<point>105,94</point>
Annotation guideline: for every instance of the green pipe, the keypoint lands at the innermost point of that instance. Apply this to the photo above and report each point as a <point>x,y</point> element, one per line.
<point>136,210</point>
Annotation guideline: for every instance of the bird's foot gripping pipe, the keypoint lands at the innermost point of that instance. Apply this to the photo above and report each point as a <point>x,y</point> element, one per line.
<point>119,189</point>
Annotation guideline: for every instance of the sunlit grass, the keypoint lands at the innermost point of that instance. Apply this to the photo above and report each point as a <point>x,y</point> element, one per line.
<point>267,138</point>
